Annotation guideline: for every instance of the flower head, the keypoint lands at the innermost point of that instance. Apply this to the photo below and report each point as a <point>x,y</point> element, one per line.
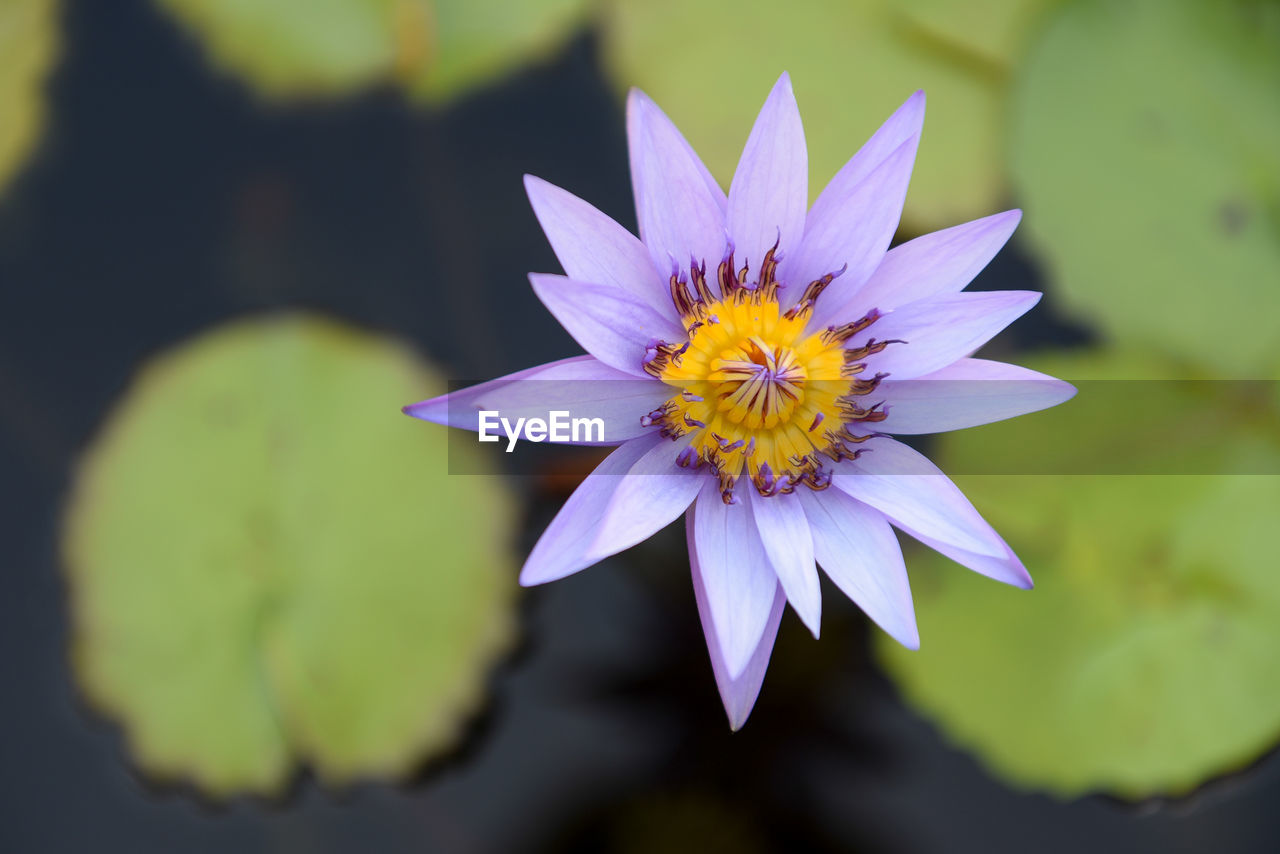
<point>752,359</point>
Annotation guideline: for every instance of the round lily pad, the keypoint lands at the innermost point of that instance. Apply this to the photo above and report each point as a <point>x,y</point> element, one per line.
<point>1145,144</point>
<point>1144,662</point>
<point>307,47</point>
<point>28,43</point>
<point>853,62</point>
<point>478,41</point>
<point>269,566</point>
<point>435,48</point>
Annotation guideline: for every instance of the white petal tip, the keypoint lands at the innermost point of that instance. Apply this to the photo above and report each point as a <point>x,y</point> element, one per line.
<point>636,100</point>
<point>534,185</point>
<point>811,622</point>
<point>910,638</point>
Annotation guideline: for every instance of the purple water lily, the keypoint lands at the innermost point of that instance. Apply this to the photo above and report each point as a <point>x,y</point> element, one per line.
<point>751,358</point>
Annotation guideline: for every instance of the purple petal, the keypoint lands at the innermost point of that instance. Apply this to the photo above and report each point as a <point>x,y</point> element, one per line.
<point>856,229</point>
<point>738,695</point>
<point>938,263</point>
<point>1006,568</point>
<point>652,494</point>
<point>941,331</point>
<point>784,532</point>
<point>968,393</point>
<point>610,324</point>
<point>582,385</point>
<point>565,546</point>
<point>679,205</point>
<point>770,188</point>
<point>858,550</point>
<point>904,125</point>
<point>735,573</point>
<point>593,248</point>
<point>914,493</point>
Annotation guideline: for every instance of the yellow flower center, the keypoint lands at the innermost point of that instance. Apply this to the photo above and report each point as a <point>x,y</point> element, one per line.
<point>758,392</point>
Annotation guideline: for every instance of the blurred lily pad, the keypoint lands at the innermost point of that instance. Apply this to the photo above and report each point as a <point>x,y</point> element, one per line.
<point>436,48</point>
<point>853,62</point>
<point>268,565</point>
<point>478,41</point>
<point>28,43</point>
<point>1145,142</point>
<point>1143,662</point>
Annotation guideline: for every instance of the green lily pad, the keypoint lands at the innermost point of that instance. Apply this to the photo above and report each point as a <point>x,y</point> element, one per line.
<point>435,48</point>
<point>1144,661</point>
<point>478,41</point>
<point>28,43</point>
<point>1145,143</point>
<point>268,565</point>
<point>291,48</point>
<point>989,31</point>
<point>852,62</point>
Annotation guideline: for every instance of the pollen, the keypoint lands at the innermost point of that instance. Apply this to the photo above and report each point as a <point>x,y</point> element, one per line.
<point>756,392</point>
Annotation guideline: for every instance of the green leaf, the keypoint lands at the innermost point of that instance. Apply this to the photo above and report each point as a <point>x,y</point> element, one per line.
<point>28,44</point>
<point>852,62</point>
<point>1145,142</point>
<point>436,48</point>
<point>292,48</point>
<point>1143,662</point>
<point>478,41</point>
<point>269,565</point>
<point>992,31</point>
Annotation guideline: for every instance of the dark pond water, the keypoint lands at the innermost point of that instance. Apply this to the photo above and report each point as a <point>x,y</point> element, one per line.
<point>163,201</point>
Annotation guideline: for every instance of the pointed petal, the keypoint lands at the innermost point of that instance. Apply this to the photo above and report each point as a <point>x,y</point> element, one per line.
<point>770,188</point>
<point>652,494</point>
<point>582,385</point>
<point>610,324</point>
<point>914,493</point>
<point>593,248</point>
<point>968,393</point>
<point>939,263</point>
<point>904,125</point>
<point>738,695</point>
<point>858,550</point>
<point>906,122</point>
<point>735,573</point>
<point>1006,568</point>
<point>853,230</point>
<point>940,331</point>
<point>680,208</point>
<point>565,547</point>
<point>788,545</point>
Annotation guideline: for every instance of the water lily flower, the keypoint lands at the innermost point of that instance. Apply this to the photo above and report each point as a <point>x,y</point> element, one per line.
<point>752,357</point>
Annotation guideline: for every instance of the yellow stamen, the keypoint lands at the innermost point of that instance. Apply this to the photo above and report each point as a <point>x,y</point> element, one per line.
<point>760,394</point>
